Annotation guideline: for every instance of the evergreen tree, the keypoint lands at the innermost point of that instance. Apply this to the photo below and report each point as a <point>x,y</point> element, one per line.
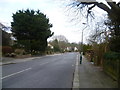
<point>31,29</point>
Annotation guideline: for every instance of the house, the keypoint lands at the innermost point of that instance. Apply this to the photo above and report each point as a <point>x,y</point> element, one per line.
<point>6,36</point>
<point>75,49</point>
<point>49,45</point>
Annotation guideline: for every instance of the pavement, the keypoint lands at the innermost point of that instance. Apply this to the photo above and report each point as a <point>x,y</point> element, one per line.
<point>91,76</point>
<point>9,60</point>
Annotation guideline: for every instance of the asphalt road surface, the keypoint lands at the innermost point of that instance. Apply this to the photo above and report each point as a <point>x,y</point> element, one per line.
<point>55,71</point>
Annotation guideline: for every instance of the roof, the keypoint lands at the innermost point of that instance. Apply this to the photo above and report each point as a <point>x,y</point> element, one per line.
<point>1,25</point>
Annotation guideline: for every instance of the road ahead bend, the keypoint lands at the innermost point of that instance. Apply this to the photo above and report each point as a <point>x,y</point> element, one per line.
<point>55,71</point>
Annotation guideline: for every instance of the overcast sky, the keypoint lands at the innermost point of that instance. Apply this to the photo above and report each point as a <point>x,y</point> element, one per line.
<point>55,10</point>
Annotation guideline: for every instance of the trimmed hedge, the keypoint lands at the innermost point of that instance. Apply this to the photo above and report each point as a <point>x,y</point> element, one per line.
<point>112,56</point>
<point>111,64</point>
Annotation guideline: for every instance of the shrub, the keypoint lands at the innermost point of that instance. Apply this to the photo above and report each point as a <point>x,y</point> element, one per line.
<point>20,51</point>
<point>7,49</point>
<point>112,56</point>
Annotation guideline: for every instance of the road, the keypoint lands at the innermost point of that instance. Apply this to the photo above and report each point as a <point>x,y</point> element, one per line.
<point>55,71</point>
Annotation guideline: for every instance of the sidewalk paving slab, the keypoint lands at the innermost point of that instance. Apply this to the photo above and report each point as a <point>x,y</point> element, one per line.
<point>91,76</point>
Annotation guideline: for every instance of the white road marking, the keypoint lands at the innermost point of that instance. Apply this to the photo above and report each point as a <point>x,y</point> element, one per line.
<point>47,62</point>
<point>15,73</point>
<point>44,63</point>
<point>54,55</point>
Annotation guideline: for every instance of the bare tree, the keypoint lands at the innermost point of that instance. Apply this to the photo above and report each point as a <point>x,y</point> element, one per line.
<point>90,4</point>
<point>62,41</point>
<point>60,38</point>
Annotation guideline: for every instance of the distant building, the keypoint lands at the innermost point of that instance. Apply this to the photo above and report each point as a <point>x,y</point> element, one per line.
<point>50,46</point>
<point>6,40</point>
<point>75,49</point>
<point>1,26</point>
<point>6,36</point>
<point>69,49</point>
<point>5,28</point>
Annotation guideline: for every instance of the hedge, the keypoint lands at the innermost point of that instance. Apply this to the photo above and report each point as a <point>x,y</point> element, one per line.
<point>112,56</point>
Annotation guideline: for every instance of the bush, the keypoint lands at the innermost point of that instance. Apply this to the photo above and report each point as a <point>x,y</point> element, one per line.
<point>10,55</point>
<point>7,49</point>
<point>112,56</point>
<point>20,51</point>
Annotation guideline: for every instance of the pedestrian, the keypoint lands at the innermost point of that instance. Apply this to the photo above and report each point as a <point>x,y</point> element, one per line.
<point>80,58</point>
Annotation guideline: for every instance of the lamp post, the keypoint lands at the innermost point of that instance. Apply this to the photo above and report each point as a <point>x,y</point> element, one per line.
<point>82,44</point>
<point>82,37</point>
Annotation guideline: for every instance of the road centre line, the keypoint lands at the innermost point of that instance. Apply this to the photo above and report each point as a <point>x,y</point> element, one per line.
<point>54,55</point>
<point>15,73</point>
<point>47,62</point>
<point>44,63</point>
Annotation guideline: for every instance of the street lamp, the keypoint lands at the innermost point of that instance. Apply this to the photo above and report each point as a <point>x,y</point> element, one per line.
<point>82,44</point>
<point>82,37</point>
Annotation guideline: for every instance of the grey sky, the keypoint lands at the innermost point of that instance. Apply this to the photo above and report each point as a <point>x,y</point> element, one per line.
<point>55,10</point>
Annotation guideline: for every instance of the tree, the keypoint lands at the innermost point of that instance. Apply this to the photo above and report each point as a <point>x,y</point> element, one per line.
<point>90,4</point>
<point>60,38</point>
<point>56,46</point>
<point>114,40</point>
<point>62,41</point>
<point>86,47</point>
<point>113,11</point>
<point>31,29</point>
